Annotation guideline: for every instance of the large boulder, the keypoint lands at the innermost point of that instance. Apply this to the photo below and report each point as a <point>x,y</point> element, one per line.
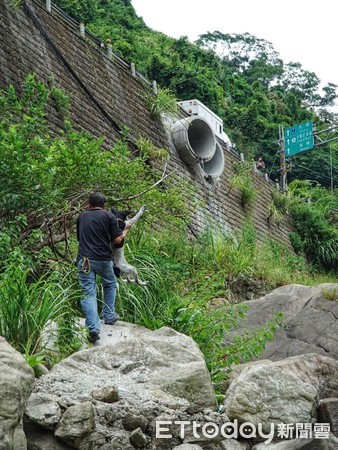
<point>111,395</point>
<point>16,383</point>
<point>329,443</point>
<point>311,320</point>
<point>328,413</point>
<point>286,391</point>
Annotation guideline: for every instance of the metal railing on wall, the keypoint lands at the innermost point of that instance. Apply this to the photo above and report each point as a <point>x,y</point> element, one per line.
<point>105,47</point>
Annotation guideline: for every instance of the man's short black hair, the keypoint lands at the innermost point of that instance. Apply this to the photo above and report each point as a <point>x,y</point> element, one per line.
<point>96,199</point>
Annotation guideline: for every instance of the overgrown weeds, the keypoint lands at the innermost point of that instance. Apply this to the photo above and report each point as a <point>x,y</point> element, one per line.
<point>241,181</point>
<point>30,307</point>
<point>188,277</point>
<point>163,102</point>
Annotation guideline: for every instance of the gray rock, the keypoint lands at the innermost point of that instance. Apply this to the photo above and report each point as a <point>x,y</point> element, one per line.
<point>188,447</point>
<point>40,370</point>
<point>107,394</point>
<point>301,444</point>
<point>19,438</point>
<point>131,422</point>
<point>44,410</point>
<point>205,432</point>
<point>94,440</point>
<point>153,372</point>
<point>195,407</point>
<point>312,321</point>
<point>76,423</point>
<point>281,392</point>
<point>111,416</point>
<point>328,413</point>
<point>42,439</point>
<point>163,360</point>
<point>138,439</point>
<point>319,371</point>
<point>232,444</point>
<point>16,383</point>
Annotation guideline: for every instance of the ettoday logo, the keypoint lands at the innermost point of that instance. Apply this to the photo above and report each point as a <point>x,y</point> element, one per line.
<point>211,430</point>
<point>246,430</point>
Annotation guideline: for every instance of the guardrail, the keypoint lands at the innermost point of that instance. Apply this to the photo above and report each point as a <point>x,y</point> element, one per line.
<point>105,47</point>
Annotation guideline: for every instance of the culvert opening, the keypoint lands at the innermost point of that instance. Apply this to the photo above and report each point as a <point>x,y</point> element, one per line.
<point>201,139</point>
<point>215,166</point>
<point>194,139</point>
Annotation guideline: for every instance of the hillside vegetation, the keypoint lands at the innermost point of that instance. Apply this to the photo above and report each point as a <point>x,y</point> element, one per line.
<point>196,284</point>
<point>240,77</point>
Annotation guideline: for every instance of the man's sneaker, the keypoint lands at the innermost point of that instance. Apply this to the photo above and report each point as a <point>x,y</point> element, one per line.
<point>93,336</point>
<point>111,322</point>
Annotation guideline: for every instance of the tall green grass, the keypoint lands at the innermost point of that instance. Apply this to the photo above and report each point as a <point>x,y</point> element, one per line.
<point>187,274</point>
<point>29,306</point>
<point>186,278</point>
<point>185,270</point>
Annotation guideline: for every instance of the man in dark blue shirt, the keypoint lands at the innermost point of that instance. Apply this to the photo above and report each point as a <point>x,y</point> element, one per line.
<point>97,231</point>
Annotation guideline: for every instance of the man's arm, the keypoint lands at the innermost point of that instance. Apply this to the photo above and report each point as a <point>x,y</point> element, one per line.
<point>119,239</point>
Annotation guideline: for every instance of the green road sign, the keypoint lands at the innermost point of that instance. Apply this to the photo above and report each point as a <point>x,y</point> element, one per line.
<point>298,139</point>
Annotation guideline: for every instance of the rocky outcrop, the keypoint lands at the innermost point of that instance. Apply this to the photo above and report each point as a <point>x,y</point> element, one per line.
<point>16,383</point>
<point>231,444</point>
<point>188,447</point>
<point>110,396</point>
<point>282,392</point>
<point>311,320</point>
<point>139,389</point>
<point>301,444</point>
<point>328,413</point>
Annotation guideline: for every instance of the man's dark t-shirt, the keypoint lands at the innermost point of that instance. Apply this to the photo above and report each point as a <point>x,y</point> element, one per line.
<point>96,231</point>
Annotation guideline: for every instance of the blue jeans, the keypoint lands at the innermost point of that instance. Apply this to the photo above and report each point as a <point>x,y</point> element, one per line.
<point>88,284</point>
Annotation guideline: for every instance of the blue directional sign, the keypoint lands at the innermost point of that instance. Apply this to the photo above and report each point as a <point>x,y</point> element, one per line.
<point>298,139</point>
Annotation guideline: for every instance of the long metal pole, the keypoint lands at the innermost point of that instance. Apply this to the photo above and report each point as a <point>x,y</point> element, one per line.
<point>282,158</point>
<point>331,169</point>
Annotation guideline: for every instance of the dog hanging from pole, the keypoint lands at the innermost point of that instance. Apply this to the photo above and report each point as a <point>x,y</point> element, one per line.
<point>121,266</point>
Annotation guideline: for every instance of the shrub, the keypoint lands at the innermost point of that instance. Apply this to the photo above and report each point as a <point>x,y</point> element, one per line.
<point>319,238</point>
<point>163,102</point>
<point>313,211</point>
<point>46,175</point>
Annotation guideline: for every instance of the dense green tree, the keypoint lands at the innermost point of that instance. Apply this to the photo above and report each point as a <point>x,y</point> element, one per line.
<point>39,192</point>
<point>82,10</point>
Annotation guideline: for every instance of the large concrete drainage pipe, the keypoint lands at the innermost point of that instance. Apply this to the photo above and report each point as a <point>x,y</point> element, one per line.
<point>215,166</point>
<point>194,139</point>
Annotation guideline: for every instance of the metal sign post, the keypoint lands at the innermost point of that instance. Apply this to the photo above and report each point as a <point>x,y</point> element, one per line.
<point>282,174</point>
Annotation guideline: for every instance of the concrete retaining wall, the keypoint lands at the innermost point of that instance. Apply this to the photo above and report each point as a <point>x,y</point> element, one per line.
<point>24,50</point>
